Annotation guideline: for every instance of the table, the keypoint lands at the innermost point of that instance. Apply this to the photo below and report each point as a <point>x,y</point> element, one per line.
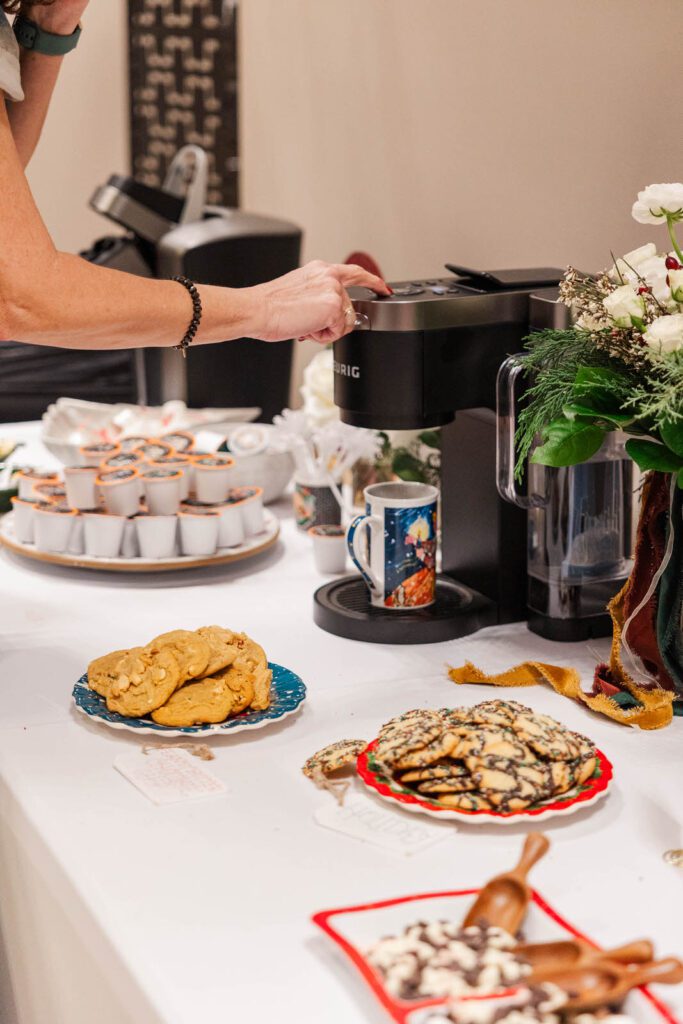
<point>115,910</point>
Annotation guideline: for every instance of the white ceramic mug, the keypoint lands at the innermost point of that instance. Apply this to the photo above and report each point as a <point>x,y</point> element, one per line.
<point>394,544</point>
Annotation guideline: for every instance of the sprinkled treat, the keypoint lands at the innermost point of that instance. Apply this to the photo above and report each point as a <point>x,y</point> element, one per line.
<point>533,1004</point>
<point>333,758</point>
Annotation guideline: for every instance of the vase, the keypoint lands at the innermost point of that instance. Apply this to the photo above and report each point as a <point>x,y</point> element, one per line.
<point>646,662</point>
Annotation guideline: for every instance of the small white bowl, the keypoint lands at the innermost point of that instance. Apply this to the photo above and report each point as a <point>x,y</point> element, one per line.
<point>52,525</point>
<point>23,509</point>
<point>94,454</point>
<point>162,489</point>
<point>157,535</point>
<point>213,475</point>
<point>81,488</point>
<point>120,490</point>
<point>199,531</point>
<point>249,500</point>
<point>28,478</point>
<point>103,534</point>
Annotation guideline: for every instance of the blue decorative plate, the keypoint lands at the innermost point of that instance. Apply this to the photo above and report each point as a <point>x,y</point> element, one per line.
<point>287,695</point>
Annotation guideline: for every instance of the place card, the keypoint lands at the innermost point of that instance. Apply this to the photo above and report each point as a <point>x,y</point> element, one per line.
<point>168,775</point>
<point>362,818</point>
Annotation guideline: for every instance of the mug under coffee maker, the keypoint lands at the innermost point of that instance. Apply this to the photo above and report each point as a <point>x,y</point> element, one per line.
<point>393,545</point>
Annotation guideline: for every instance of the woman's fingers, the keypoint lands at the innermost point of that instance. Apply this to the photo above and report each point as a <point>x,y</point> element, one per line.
<point>350,274</point>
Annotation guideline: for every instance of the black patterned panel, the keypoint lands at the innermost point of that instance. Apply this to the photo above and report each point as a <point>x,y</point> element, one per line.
<point>183,82</point>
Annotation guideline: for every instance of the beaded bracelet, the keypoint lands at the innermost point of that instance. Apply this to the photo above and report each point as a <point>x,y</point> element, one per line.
<point>196,314</point>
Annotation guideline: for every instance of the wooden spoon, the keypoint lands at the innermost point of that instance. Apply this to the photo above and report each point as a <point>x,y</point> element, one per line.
<point>547,957</point>
<point>607,984</point>
<point>503,901</point>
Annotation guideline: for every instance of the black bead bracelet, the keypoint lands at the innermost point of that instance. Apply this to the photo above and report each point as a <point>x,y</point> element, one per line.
<point>196,314</point>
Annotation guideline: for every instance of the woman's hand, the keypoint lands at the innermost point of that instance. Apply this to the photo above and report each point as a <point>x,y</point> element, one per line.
<point>311,302</point>
<point>61,16</point>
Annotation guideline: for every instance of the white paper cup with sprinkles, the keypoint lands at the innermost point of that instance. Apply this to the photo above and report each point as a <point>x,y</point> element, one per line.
<point>28,478</point>
<point>198,531</point>
<point>23,509</point>
<point>80,485</point>
<point>249,500</point>
<point>162,488</point>
<point>103,533</point>
<point>52,525</point>
<point>120,490</point>
<point>157,535</point>
<point>212,475</point>
<point>94,454</point>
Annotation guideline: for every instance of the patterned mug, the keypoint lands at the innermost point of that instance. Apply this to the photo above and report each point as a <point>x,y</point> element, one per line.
<point>394,545</point>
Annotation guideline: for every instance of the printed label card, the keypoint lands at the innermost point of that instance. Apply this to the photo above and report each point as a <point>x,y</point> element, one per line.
<point>364,819</point>
<point>168,775</point>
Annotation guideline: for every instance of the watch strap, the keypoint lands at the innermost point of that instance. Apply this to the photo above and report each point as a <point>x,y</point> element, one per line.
<point>33,37</point>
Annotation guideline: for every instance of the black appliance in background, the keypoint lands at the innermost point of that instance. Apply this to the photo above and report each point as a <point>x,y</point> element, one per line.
<point>430,359</point>
<point>168,231</point>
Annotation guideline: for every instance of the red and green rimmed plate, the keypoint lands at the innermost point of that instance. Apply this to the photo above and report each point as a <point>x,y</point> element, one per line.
<point>576,799</point>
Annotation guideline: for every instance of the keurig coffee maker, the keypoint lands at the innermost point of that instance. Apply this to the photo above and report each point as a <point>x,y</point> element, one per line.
<point>429,358</point>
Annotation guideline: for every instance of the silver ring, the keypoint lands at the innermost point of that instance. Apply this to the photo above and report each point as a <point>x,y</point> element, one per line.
<point>350,315</point>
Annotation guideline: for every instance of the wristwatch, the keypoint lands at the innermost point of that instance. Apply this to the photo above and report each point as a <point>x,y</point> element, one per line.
<point>33,37</point>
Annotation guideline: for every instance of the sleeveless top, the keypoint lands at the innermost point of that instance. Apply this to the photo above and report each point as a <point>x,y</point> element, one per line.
<point>10,75</point>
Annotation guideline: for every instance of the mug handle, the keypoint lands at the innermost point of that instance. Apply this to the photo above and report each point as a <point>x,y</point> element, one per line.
<point>357,531</point>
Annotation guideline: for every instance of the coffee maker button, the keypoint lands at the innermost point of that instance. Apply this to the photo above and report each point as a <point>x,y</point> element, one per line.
<point>409,289</point>
<point>439,291</point>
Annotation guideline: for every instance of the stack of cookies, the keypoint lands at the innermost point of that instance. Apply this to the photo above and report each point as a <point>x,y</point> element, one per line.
<point>185,678</point>
<point>498,755</point>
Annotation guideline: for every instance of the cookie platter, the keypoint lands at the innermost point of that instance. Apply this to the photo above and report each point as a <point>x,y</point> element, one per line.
<point>250,548</point>
<point>496,763</point>
<point>576,799</point>
<point>355,929</point>
<point>288,693</point>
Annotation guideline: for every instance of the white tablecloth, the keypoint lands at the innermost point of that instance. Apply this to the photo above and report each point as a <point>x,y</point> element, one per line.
<point>115,910</point>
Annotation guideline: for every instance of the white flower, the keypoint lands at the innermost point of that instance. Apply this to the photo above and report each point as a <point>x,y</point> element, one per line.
<point>656,201</point>
<point>623,305</point>
<point>317,390</point>
<point>665,334</point>
<point>625,267</point>
<point>676,285</point>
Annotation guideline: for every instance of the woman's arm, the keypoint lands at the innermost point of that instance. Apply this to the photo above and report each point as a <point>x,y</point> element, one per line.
<point>51,298</point>
<point>39,74</point>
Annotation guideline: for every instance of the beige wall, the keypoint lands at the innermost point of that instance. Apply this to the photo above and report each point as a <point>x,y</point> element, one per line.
<point>86,135</point>
<point>493,133</point>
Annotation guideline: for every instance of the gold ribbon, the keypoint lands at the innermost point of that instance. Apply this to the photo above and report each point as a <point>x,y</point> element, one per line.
<point>656,708</point>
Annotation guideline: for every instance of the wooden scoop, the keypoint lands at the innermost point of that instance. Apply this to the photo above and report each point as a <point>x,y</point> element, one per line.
<point>548,957</point>
<point>503,901</point>
<point>607,984</point>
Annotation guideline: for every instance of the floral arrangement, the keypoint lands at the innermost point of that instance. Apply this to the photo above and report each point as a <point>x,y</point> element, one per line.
<point>621,365</point>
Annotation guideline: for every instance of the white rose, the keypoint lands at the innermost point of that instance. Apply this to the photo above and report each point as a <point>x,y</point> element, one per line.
<point>623,304</point>
<point>317,390</point>
<point>665,334</point>
<point>625,267</point>
<point>655,201</point>
<point>676,285</point>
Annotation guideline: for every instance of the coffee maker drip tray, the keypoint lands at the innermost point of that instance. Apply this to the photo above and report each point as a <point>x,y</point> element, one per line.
<point>343,608</point>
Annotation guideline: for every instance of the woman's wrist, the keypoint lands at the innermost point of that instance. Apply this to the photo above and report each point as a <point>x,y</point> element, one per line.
<point>57,17</point>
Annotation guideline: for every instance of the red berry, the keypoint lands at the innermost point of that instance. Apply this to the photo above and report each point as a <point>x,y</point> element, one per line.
<point>644,290</point>
<point>672,263</point>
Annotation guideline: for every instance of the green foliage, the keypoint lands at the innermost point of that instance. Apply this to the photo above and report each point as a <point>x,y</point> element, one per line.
<point>566,442</point>
<point>580,391</point>
<point>649,455</point>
